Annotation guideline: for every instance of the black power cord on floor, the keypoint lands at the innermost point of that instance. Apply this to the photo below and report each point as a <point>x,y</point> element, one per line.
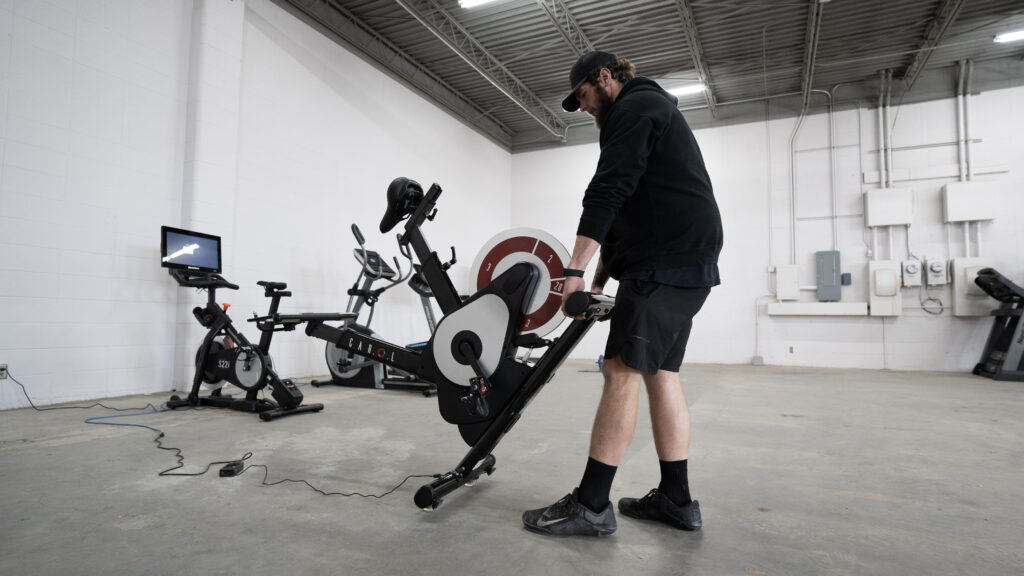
<point>230,467</point>
<point>266,473</point>
<point>100,404</point>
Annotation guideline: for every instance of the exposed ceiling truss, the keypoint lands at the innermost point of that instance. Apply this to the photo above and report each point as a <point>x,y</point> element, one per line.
<point>814,14</point>
<point>501,68</point>
<point>567,26</point>
<point>945,16</point>
<point>430,14</point>
<point>693,40</point>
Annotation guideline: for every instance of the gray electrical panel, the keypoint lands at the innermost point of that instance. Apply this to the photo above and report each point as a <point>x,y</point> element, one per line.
<point>827,265</point>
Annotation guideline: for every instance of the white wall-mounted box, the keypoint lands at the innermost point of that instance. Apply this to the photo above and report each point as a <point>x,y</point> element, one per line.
<point>888,207</point>
<point>787,282</point>
<point>884,277</point>
<point>968,298</point>
<point>970,201</point>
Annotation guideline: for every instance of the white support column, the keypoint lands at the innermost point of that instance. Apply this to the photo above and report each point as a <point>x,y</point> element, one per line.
<point>211,144</point>
<point>211,148</point>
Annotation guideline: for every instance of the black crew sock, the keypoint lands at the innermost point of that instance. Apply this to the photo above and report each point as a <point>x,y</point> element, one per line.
<point>596,485</point>
<point>674,484</point>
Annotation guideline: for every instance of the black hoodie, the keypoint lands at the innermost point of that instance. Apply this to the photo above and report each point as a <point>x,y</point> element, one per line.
<point>650,204</point>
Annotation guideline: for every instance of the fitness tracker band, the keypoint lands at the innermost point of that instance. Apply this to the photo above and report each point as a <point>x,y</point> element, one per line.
<point>572,272</point>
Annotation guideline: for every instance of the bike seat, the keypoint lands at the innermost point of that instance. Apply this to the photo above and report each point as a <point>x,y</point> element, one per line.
<point>273,288</point>
<point>403,197</point>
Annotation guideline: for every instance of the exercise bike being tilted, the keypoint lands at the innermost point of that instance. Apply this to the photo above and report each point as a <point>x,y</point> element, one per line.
<point>471,357</point>
<point>225,354</point>
<point>348,369</point>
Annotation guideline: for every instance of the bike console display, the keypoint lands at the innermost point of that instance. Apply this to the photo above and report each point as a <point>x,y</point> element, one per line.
<point>373,265</point>
<point>187,250</point>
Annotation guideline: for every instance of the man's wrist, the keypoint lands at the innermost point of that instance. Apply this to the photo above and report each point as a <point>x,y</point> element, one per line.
<point>572,272</point>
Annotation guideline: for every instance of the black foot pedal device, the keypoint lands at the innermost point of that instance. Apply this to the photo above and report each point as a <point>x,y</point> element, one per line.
<point>232,469</point>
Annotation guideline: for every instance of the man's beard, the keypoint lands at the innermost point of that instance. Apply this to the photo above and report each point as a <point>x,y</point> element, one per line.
<point>604,103</point>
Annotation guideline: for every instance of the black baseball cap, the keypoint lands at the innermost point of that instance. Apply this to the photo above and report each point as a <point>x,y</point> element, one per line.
<point>578,75</point>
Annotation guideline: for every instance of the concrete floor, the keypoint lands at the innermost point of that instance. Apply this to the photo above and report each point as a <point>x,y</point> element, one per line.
<point>799,471</point>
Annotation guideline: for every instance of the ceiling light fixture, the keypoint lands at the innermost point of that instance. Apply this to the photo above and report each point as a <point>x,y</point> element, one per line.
<point>472,3</point>
<point>686,90</point>
<point>1010,37</point>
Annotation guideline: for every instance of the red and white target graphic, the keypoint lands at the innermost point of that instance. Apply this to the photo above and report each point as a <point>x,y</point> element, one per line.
<point>546,253</point>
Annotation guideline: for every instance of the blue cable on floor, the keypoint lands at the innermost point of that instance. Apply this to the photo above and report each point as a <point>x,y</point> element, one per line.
<point>94,419</point>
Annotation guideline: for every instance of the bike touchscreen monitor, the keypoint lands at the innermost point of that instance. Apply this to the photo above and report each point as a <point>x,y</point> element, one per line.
<point>189,250</point>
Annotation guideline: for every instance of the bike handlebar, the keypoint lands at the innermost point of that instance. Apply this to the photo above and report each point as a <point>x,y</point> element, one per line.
<point>587,304</point>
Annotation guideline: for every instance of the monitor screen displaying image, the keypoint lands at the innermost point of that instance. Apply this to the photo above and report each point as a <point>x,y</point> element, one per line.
<point>189,250</point>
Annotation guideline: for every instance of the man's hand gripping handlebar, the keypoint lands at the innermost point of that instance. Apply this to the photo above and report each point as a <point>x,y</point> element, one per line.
<point>589,305</point>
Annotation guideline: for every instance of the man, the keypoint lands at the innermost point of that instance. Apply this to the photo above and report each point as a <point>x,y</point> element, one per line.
<point>651,211</point>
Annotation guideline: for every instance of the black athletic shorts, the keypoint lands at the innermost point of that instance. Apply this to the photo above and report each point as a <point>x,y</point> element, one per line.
<point>651,323</point>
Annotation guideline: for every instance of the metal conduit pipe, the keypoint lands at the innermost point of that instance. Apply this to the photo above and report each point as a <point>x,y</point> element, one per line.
<point>949,239</point>
<point>881,130</point>
<point>888,127</point>
<point>961,129</point>
<point>970,158</point>
<point>967,119</point>
<point>771,212</point>
<point>832,165</point>
<point>792,186</point>
<point>768,181</point>
<point>832,159</point>
<point>960,123</point>
<point>792,171</point>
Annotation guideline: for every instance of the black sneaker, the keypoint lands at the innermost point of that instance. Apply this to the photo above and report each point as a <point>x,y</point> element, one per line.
<point>657,506</point>
<point>568,517</point>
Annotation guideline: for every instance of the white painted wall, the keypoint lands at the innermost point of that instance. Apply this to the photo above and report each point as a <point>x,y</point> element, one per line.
<point>750,168</point>
<point>230,118</point>
<point>92,134</point>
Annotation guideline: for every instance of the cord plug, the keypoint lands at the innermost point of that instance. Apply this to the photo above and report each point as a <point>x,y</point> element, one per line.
<point>232,469</point>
